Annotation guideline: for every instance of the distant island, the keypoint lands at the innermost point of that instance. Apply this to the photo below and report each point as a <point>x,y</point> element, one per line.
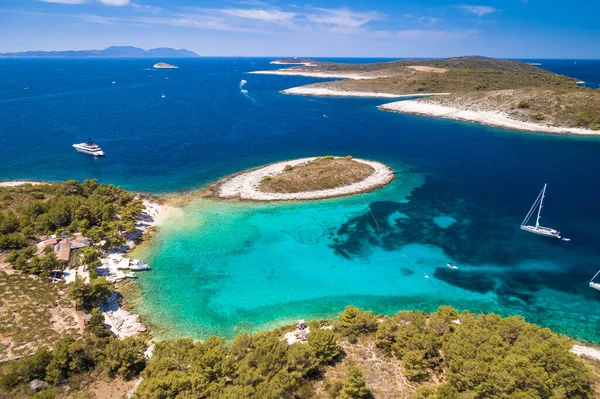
<point>503,93</point>
<point>294,61</point>
<point>164,65</point>
<point>109,52</point>
<point>305,179</point>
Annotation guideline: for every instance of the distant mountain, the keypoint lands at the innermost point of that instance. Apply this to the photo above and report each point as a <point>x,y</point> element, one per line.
<point>113,51</point>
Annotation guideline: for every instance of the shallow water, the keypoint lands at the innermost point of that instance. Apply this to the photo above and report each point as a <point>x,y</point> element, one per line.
<point>225,267</point>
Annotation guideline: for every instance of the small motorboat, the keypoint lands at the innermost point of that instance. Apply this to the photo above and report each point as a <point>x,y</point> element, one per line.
<point>163,96</point>
<point>451,265</point>
<point>137,266</point>
<point>130,275</point>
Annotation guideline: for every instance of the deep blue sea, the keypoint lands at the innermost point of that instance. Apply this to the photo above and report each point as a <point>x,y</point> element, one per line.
<point>225,267</point>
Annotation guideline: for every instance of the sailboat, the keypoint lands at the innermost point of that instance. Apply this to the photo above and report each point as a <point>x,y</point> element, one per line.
<point>593,285</point>
<point>537,229</point>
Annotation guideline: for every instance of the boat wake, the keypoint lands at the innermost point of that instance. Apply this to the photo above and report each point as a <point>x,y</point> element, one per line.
<point>245,92</point>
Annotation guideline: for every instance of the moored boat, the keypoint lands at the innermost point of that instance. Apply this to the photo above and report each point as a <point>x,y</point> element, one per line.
<point>594,285</point>
<point>89,148</point>
<point>537,229</point>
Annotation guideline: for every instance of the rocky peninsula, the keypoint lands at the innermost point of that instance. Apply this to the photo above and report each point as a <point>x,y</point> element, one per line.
<point>501,93</point>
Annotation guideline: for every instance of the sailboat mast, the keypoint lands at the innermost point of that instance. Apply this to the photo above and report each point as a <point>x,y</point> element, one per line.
<point>537,222</point>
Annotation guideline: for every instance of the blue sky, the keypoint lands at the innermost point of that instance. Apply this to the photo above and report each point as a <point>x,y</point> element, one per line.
<point>326,28</point>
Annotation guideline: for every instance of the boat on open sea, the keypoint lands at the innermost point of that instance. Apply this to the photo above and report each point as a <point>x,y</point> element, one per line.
<point>537,229</point>
<point>89,148</point>
<point>594,285</point>
<point>452,265</point>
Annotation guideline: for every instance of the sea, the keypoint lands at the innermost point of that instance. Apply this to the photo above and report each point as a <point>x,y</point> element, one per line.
<point>227,267</point>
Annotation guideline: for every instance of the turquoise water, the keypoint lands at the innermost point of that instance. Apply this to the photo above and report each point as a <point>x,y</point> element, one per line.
<point>225,267</point>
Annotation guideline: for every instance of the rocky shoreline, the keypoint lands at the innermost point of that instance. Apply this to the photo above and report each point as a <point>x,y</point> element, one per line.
<point>494,118</point>
<point>329,92</point>
<point>244,185</point>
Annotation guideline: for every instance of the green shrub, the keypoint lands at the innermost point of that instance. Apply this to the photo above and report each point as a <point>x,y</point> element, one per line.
<point>355,321</point>
<point>125,357</point>
<point>354,385</point>
<point>323,343</point>
<point>538,117</point>
<point>288,168</point>
<point>523,104</point>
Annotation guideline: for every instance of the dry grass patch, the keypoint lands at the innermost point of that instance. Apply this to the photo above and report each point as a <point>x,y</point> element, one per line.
<point>422,68</point>
<point>383,374</point>
<point>32,314</point>
<point>320,174</point>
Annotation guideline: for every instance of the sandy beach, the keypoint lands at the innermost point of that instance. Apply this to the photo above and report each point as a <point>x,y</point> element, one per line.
<point>586,351</point>
<point>16,183</point>
<point>316,74</point>
<point>245,185</point>
<point>485,117</point>
<point>292,63</point>
<point>328,92</point>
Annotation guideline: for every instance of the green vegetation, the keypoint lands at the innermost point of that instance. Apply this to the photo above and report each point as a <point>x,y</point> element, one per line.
<point>92,294</point>
<point>319,174</point>
<point>538,117</point>
<point>69,358</point>
<point>258,366</point>
<point>354,385</point>
<point>445,354</point>
<point>30,212</point>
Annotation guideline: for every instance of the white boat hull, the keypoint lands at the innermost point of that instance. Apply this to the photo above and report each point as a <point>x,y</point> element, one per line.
<point>88,152</point>
<point>139,268</point>
<point>595,286</point>
<point>542,231</point>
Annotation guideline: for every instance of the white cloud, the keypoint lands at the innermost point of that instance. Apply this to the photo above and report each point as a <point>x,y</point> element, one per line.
<point>262,15</point>
<point>343,17</point>
<point>429,20</point>
<point>118,3</point>
<point>428,34</point>
<point>64,1</point>
<point>480,11</point>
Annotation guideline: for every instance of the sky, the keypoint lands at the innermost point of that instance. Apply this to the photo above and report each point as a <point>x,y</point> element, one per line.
<point>317,28</point>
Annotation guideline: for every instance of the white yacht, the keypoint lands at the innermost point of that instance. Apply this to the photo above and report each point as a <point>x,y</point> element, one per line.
<point>89,148</point>
<point>537,229</point>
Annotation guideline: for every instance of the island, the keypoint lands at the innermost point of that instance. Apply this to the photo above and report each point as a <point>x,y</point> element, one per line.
<point>109,52</point>
<point>164,65</point>
<point>294,61</point>
<point>305,179</point>
<point>502,93</point>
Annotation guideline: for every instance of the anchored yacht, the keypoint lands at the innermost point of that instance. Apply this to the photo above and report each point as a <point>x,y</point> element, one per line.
<point>538,229</point>
<point>89,148</point>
